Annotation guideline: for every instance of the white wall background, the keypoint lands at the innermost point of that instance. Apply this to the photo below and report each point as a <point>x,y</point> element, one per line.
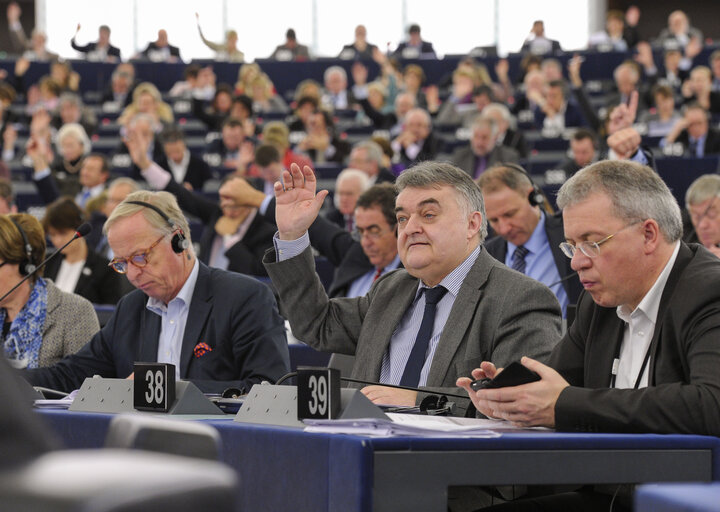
<point>454,26</point>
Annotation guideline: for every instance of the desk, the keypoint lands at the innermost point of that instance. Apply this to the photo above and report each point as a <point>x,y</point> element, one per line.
<point>288,469</point>
<point>678,498</point>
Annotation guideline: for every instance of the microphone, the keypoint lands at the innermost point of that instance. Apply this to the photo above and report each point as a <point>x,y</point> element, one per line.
<point>82,231</point>
<point>569,276</point>
<point>371,383</point>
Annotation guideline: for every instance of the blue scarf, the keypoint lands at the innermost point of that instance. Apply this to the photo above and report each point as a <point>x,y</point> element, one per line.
<point>22,344</point>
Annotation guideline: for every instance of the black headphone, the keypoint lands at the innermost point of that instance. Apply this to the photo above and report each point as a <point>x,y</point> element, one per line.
<point>536,197</point>
<point>178,243</point>
<point>25,266</point>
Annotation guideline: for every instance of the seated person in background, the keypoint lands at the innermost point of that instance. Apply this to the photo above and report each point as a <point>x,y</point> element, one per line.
<point>554,112</point>
<point>231,148</point>
<point>702,201</point>
<point>7,197</point>
<point>235,237</point>
<point>64,171</point>
<point>322,144</point>
<point>360,49</point>
<point>367,156</point>
<point>413,78</point>
<point>161,50</point>
<point>40,323</point>
<point>528,234</point>
<point>714,63</point>
<point>415,47</point>
<point>416,142</point>
<point>483,151</point>
<point>298,122</point>
<point>147,100</point>
<point>122,85</point>
<point>349,184</point>
<point>693,133</point>
<point>660,122</point>
<point>148,126</point>
<point>484,310</point>
<point>218,110</point>
<point>627,81</point>
<point>336,95</point>
<point>226,51</point>
<point>676,69</point>
<point>291,49</point>
<point>187,169</point>
<point>679,34</point>
<point>612,38</point>
<point>698,89</point>
<point>72,110</point>
<point>264,98</point>
<point>231,335</point>
<point>37,50</point>
<point>99,51</point>
<point>642,354</point>
<point>277,134</point>
<point>268,167</point>
<point>77,269</point>
<point>583,151</point>
<point>507,135</point>
<point>537,43</point>
<point>460,100</point>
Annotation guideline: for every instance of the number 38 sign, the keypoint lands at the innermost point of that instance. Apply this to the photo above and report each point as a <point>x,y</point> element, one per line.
<point>318,393</point>
<point>154,386</point>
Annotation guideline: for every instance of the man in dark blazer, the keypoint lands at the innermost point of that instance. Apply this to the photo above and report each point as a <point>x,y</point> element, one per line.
<point>219,328</point>
<point>101,50</point>
<point>186,168</point>
<point>483,151</point>
<point>416,142</point>
<point>161,50</point>
<point>642,354</point>
<point>414,47</point>
<point>694,133</point>
<point>510,202</point>
<point>488,310</point>
<point>368,157</point>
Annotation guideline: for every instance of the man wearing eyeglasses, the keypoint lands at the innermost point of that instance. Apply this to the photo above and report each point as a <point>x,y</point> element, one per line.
<point>643,352</point>
<point>220,329</point>
<point>703,203</point>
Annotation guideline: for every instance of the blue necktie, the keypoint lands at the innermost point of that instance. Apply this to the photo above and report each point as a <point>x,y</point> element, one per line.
<point>416,361</point>
<point>518,259</point>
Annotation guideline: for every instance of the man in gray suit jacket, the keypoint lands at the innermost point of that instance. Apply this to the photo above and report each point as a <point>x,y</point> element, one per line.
<point>489,311</point>
<point>483,151</point>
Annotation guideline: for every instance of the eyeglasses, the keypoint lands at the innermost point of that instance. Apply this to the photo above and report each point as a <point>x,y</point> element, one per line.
<point>590,249</point>
<point>140,260</point>
<point>4,263</point>
<point>373,233</point>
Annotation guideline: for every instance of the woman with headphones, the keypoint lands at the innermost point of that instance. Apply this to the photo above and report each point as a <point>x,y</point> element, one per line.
<point>40,324</point>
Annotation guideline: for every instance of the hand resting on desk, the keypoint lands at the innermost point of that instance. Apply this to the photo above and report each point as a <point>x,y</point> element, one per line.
<point>529,405</point>
<point>390,396</point>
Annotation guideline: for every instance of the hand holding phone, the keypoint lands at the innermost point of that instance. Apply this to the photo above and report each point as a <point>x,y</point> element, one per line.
<point>514,375</point>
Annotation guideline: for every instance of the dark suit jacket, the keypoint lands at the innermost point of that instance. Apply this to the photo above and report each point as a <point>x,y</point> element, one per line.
<point>429,150</point>
<point>234,314</point>
<point>426,50</point>
<point>152,47</point>
<point>712,141</point>
<point>497,248</point>
<point>466,159</point>
<point>385,176</point>
<point>112,51</point>
<point>573,116</point>
<point>554,46</point>
<point>245,256</point>
<point>684,382</point>
<point>349,52</point>
<point>197,172</point>
<point>98,283</point>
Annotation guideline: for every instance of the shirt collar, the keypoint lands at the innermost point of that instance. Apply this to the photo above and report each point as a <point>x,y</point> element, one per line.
<point>537,240</point>
<point>185,295</point>
<point>650,303</point>
<point>454,280</point>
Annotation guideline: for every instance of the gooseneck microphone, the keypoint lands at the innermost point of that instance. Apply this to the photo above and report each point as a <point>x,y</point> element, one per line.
<point>82,231</point>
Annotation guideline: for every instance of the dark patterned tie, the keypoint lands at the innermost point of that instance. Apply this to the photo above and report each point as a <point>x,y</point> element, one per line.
<point>416,361</point>
<point>518,259</point>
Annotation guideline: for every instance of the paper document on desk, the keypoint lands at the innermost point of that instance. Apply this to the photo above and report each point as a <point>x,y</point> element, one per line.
<point>405,425</point>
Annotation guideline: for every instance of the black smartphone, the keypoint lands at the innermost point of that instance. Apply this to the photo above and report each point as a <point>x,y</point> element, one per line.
<point>514,374</point>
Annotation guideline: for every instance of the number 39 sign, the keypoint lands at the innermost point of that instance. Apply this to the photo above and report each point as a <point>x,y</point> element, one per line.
<point>318,393</point>
<point>154,386</point>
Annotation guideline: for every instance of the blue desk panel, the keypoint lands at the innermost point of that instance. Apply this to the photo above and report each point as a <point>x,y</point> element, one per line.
<point>288,469</point>
<point>678,498</point>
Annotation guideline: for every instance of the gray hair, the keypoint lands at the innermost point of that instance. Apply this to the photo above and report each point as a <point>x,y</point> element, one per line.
<point>637,193</point>
<point>164,201</point>
<point>485,121</point>
<point>373,151</point>
<point>123,180</point>
<point>334,69</point>
<point>74,130</point>
<point>437,174</point>
<point>70,97</point>
<point>702,189</point>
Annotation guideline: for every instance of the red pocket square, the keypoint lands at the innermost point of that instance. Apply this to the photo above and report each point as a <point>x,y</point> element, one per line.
<point>201,348</point>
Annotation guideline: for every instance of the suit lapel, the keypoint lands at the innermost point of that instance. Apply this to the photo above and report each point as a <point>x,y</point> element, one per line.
<point>199,310</point>
<point>461,315</point>
<point>150,324</point>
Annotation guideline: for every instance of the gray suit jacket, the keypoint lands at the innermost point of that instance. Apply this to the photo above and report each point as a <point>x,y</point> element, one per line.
<point>465,158</point>
<point>499,316</point>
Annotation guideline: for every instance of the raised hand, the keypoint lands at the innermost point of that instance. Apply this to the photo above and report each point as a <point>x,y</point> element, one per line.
<point>623,116</point>
<point>297,203</point>
<point>241,192</point>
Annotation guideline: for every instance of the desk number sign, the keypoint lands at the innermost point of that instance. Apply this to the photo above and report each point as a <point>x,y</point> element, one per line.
<point>154,387</point>
<point>318,395</point>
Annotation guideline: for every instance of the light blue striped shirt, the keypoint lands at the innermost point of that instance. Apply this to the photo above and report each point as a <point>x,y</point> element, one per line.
<point>540,263</point>
<point>362,284</point>
<point>174,317</point>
